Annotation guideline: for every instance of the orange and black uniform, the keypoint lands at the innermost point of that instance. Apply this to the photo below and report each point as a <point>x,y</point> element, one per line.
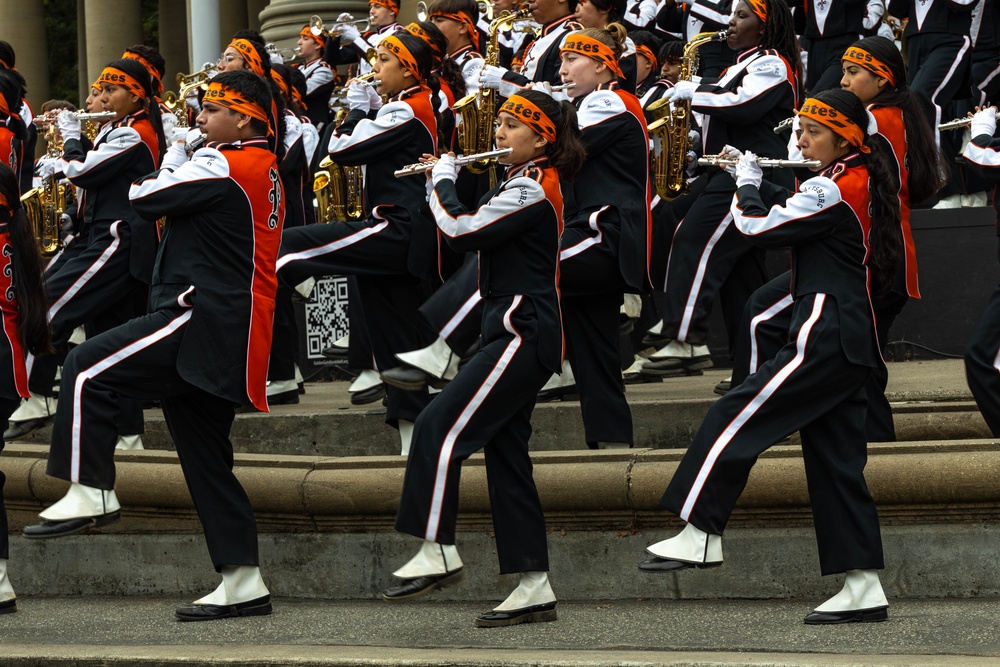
<point>202,349</point>
<point>814,384</point>
<point>488,405</point>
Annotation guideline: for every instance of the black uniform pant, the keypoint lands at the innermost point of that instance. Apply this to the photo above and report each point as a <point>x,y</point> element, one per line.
<point>982,363</point>
<point>94,286</point>
<point>285,337</point>
<point>455,310</point>
<point>487,406</point>
<point>139,359</point>
<point>824,69</point>
<point>375,251</point>
<point>7,407</point>
<point>810,387</point>
<point>705,248</point>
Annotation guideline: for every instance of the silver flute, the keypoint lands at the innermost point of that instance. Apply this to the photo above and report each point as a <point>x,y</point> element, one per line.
<point>784,125</point>
<point>764,162</point>
<point>956,124</point>
<point>563,86</point>
<point>423,167</point>
<point>50,117</point>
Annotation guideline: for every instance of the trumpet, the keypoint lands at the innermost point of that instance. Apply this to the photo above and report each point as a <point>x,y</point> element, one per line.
<point>957,124</point>
<point>423,167</point>
<point>286,54</point>
<point>317,28</point>
<point>764,162</point>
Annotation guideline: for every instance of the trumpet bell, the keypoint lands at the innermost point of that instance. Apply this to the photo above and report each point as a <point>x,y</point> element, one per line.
<point>316,26</point>
<point>422,11</point>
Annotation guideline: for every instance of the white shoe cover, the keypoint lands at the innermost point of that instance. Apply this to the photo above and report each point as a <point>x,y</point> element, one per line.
<point>433,558</point>
<point>298,376</point>
<point>82,501</point>
<point>613,445</point>
<point>437,360</point>
<point>6,590</point>
<point>656,329</point>
<point>305,287</point>
<point>534,589</point>
<point>78,336</point>
<point>126,442</point>
<point>631,305</point>
<point>689,546</point>
<point>862,590</point>
<point>636,366</point>
<point>240,583</point>
<point>366,380</point>
<point>405,436</point>
<point>275,387</point>
<point>563,379</point>
<point>35,407</point>
<point>676,349</point>
<point>343,341</point>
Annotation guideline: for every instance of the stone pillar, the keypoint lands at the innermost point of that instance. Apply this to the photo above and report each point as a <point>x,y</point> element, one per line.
<point>203,35</point>
<point>282,20</point>
<point>232,17</point>
<point>173,44</point>
<point>23,25</point>
<point>112,25</point>
<point>81,52</point>
<point>254,8</point>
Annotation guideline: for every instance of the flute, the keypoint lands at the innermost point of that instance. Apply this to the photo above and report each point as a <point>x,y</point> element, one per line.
<point>80,116</point>
<point>765,162</point>
<point>563,86</point>
<point>423,167</point>
<point>956,124</point>
<point>784,125</point>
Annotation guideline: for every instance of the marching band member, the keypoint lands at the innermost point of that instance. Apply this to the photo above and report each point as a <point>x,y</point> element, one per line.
<point>741,109</point>
<point>843,229</point>
<point>353,47</point>
<point>687,19</point>
<point>8,60</point>
<point>639,15</point>
<point>541,59</point>
<point>202,348</point>
<point>599,13</point>
<point>154,63</point>
<point>22,313</point>
<point>650,85</point>
<point>457,20</point>
<point>105,283</point>
<point>320,77</point>
<point>830,27</point>
<point>13,131</point>
<point>516,232</point>
<point>983,349</point>
<point>390,249</point>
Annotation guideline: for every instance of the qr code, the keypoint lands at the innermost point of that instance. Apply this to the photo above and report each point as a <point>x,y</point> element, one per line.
<point>326,317</point>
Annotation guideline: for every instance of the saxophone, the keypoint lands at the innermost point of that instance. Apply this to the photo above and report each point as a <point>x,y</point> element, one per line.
<point>339,192</point>
<point>46,204</point>
<point>478,110</point>
<point>669,132</point>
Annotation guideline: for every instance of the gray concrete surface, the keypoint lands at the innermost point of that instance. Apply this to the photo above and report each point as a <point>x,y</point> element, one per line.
<point>142,631</point>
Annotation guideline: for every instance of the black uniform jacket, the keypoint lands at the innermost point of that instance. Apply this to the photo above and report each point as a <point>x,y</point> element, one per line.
<point>984,152</point>
<point>225,210</point>
<point>541,59</point>
<point>831,18</point>
<point>124,150</point>
<point>397,135</point>
<point>951,16</point>
<point>516,232</point>
<point>826,224</point>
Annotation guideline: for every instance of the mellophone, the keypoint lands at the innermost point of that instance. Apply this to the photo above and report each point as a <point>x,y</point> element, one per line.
<point>766,163</point>
<point>423,167</point>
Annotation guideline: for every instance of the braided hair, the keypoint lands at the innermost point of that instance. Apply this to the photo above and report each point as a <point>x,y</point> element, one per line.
<point>779,34</point>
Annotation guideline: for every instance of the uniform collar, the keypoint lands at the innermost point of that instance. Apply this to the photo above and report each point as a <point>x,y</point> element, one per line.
<point>409,92</point>
<point>555,25</point>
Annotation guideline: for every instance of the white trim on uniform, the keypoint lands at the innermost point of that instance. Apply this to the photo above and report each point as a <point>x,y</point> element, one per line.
<point>770,312</point>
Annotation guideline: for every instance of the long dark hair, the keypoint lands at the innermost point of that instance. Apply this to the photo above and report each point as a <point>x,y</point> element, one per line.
<point>924,160</point>
<point>26,266</point>
<point>138,71</point>
<point>448,69</point>
<point>567,154</point>
<point>779,34</point>
<point>422,53</point>
<point>885,238</point>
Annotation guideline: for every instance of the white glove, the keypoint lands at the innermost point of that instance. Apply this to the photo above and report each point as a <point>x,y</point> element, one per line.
<point>491,76</point>
<point>179,134</point>
<point>192,101</point>
<point>748,171</point>
<point>357,97</point>
<point>46,167</point>
<point>374,99</point>
<point>349,33</point>
<point>984,121</point>
<point>344,17</point>
<point>731,153</point>
<point>694,137</point>
<point>444,169</point>
<point>69,126</point>
<point>169,121</point>
<point>691,160</point>
<point>682,90</point>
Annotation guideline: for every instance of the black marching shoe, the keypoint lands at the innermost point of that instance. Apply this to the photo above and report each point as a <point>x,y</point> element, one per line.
<point>210,612</point>
<point>539,613</point>
<point>61,528</point>
<point>406,378</point>
<point>8,606</point>
<point>370,395</point>
<point>657,564</point>
<point>23,428</point>
<point>874,615</point>
<point>420,586</point>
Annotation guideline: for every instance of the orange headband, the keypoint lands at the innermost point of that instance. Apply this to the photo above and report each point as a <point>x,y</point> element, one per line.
<point>647,53</point>
<point>461,17</point>
<point>759,8</point>
<point>319,39</point>
<point>592,48</point>
<point>396,47</point>
<point>297,96</point>
<point>390,4</point>
<point>861,57</point>
<point>116,77</point>
<point>229,98</point>
<point>835,120</point>
<point>282,84</point>
<point>525,111</point>
<point>415,30</point>
<point>154,76</point>
<point>249,54</point>
<point>4,108</point>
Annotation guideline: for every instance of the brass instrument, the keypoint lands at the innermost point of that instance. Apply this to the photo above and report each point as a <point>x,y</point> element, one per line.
<point>763,162</point>
<point>669,131</point>
<point>289,56</point>
<point>91,122</point>
<point>46,204</point>
<point>462,160</point>
<point>317,28</point>
<point>339,191</point>
<point>957,124</point>
<point>485,10</point>
<point>177,102</point>
<point>478,110</point>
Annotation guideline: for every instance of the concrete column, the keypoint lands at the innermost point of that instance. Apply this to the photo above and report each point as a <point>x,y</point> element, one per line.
<point>112,25</point>
<point>203,32</point>
<point>232,17</point>
<point>173,44</point>
<point>23,25</point>
<point>81,51</point>
<point>282,20</point>
<point>254,8</point>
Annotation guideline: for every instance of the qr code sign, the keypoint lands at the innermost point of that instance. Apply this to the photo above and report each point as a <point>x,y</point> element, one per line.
<point>326,317</point>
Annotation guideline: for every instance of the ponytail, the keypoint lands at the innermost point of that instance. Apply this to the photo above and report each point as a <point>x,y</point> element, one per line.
<point>567,154</point>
